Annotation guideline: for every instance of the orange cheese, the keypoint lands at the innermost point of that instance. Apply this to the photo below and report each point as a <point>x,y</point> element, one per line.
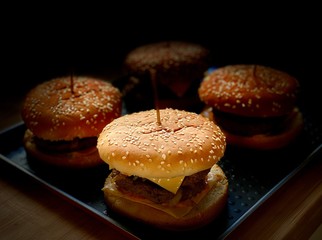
<point>170,184</point>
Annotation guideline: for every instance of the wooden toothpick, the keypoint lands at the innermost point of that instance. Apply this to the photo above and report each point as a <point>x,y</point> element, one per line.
<point>72,82</point>
<point>254,73</point>
<point>155,94</point>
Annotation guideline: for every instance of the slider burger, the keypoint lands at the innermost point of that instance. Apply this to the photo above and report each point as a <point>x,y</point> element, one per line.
<point>63,118</point>
<point>179,67</point>
<point>254,105</point>
<point>164,174</point>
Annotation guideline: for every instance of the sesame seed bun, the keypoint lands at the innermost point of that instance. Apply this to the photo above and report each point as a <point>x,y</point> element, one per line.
<point>52,112</point>
<point>249,90</point>
<point>179,67</point>
<point>184,143</point>
<point>202,214</point>
<point>58,113</point>
<point>254,105</point>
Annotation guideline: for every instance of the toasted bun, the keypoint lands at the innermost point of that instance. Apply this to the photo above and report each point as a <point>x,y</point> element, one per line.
<point>52,111</point>
<point>249,90</point>
<point>183,144</point>
<point>166,55</point>
<point>86,158</point>
<point>203,213</point>
<point>264,141</point>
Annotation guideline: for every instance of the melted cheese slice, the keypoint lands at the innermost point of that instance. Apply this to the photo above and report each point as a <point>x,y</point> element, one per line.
<point>170,184</point>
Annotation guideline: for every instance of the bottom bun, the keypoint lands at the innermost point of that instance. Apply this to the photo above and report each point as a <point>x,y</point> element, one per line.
<point>202,214</point>
<point>85,158</point>
<point>264,141</point>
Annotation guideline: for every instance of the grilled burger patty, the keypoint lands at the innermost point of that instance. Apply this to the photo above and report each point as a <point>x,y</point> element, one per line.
<point>248,126</point>
<point>144,188</point>
<point>65,146</point>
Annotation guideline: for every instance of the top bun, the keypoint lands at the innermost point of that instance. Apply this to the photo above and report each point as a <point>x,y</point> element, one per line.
<point>250,90</point>
<point>52,111</point>
<point>166,55</point>
<point>185,143</point>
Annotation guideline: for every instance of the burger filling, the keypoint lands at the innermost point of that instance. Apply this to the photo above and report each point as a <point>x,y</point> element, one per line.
<point>146,189</point>
<point>143,191</point>
<point>248,126</point>
<point>77,144</point>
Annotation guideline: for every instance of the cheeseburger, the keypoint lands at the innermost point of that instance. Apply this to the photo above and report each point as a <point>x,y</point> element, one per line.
<point>63,118</point>
<point>179,67</point>
<point>164,174</point>
<point>254,105</point>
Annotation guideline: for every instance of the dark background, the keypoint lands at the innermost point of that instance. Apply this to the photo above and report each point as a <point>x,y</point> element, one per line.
<point>41,42</point>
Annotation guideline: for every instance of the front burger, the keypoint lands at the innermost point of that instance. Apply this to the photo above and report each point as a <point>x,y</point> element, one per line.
<point>164,174</point>
<point>255,106</point>
<point>64,117</point>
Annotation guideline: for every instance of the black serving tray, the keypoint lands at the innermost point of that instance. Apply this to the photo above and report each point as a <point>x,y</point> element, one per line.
<point>253,176</point>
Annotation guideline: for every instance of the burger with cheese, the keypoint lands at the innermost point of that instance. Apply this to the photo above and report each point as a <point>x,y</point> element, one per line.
<point>164,173</point>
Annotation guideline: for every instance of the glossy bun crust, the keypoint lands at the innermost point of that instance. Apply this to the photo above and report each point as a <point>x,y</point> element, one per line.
<point>249,90</point>
<point>202,214</point>
<point>52,111</point>
<point>171,59</point>
<point>184,143</point>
